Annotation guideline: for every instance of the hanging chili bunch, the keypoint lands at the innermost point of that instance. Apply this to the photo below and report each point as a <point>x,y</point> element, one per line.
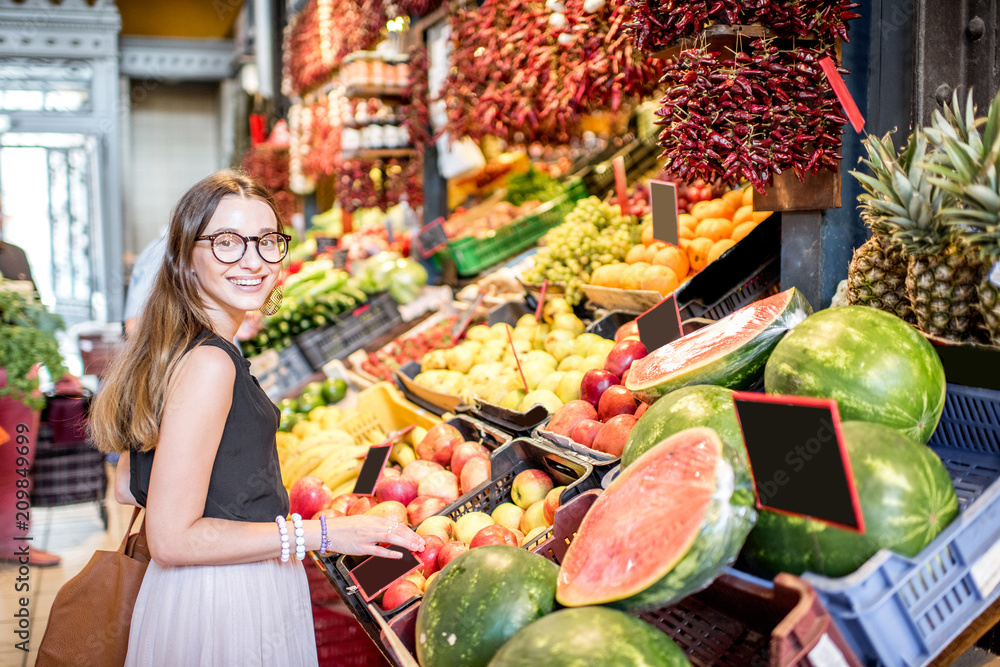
<point>655,24</point>
<point>751,115</point>
<point>417,7</point>
<point>303,65</point>
<point>416,113</point>
<point>324,148</point>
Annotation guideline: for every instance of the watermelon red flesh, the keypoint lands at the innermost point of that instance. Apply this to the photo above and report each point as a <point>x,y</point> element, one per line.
<point>906,496</point>
<point>646,523</point>
<point>730,353</point>
<point>589,636</point>
<point>877,367</point>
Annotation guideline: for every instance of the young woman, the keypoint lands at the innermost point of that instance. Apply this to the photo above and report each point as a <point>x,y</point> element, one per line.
<point>197,437</point>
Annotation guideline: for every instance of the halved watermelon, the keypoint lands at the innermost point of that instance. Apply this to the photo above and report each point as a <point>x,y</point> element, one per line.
<point>730,353</point>
<point>662,530</point>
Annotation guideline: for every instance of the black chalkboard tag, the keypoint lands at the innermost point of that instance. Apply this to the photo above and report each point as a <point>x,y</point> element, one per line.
<point>661,324</point>
<point>375,574</point>
<point>325,244</point>
<point>663,202</point>
<point>371,470</point>
<point>970,365</point>
<point>339,257</point>
<point>798,459</point>
<point>432,238</point>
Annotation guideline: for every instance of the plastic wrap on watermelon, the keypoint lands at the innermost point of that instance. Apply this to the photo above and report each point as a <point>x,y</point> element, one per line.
<point>664,529</point>
<point>729,353</point>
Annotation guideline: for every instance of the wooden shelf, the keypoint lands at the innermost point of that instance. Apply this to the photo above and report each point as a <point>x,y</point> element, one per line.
<point>372,90</point>
<point>380,154</point>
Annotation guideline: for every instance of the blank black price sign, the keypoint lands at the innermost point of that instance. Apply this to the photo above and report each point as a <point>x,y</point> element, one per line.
<point>376,574</point>
<point>339,258</point>
<point>371,470</point>
<point>798,458</point>
<point>325,244</point>
<point>663,202</point>
<point>661,324</point>
<point>432,238</point>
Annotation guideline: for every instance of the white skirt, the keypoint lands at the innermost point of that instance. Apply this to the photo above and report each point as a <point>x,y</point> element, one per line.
<point>251,615</point>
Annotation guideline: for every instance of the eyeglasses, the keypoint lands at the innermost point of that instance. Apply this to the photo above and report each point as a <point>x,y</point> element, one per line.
<point>229,247</point>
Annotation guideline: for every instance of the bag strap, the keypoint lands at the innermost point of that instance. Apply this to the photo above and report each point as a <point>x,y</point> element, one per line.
<point>128,531</point>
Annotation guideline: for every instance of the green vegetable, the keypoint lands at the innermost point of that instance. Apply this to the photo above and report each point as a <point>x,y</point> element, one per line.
<point>27,337</point>
<point>532,185</point>
<point>407,280</point>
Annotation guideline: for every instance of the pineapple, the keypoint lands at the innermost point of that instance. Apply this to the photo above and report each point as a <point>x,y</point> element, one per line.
<point>941,280</point>
<point>971,172</point>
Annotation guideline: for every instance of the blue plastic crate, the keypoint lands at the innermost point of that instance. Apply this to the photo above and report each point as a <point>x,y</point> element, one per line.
<point>902,612</point>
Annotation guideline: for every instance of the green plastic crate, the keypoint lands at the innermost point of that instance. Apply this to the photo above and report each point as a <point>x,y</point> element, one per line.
<point>472,255</point>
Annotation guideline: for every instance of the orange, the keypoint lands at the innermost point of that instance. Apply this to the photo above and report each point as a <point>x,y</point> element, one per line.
<point>647,234</point>
<point>743,214</point>
<point>675,259</point>
<point>660,279</point>
<point>632,278</point>
<point>600,276</point>
<point>748,196</point>
<point>761,216</point>
<point>714,228</point>
<point>697,210</point>
<point>740,232</point>
<point>698,253</point>
<point>687,220</point>
<point>716,208</point>
<point>652,249</point>
<point>613,275</point>
<point>684,243</point>
<point>636,253</point>
<point>720,247</point>
<point>734,198</point>
<point>686,233</point>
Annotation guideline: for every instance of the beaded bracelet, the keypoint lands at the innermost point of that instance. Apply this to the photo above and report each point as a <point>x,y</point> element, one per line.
<point>300,537</point>
<point>283,532</point>
<point>324,542</point>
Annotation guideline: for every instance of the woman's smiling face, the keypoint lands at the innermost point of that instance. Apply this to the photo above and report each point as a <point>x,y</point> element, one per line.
<point>231,290</point>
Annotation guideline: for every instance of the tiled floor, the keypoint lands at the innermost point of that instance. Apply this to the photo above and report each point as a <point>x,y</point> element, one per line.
<point>75,532</point>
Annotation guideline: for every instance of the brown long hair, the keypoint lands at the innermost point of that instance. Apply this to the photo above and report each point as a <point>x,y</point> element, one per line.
<point>126,412</point>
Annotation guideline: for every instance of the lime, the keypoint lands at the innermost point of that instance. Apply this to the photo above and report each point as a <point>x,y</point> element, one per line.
<point>309,402</point>
<point>334,389</point>
<point>289,420</point>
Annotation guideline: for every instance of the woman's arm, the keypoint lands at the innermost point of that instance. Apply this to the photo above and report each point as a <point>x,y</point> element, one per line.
<point>194,417</point>
<point>123,479</point>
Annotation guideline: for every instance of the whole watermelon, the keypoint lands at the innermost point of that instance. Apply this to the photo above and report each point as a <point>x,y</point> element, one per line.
<point>478,601</point>
<point>589,636</point>
<point>877,367</point>
<point>907,499</point>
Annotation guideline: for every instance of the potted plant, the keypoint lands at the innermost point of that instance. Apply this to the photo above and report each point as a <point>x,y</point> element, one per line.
<point>27,338</point>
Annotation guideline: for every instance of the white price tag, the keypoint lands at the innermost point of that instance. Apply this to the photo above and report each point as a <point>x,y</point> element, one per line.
<point>826,654</point>
<point>986,570</point>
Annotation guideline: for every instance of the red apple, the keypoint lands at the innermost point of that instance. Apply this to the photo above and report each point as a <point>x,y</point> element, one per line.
<point>432,546</point>
<point>438,444</point>
<point>360,505</point>
<point>569,415</point>
<point>622,355</point>
<point>585,432</point>
<point>422,507</point>
<point>441,484</point>
<point>438,525</point>
<point>342,501</point>
<point>626,330</point>
<point>613,435</point>
<point>616,400</point>
<point>398,593</point>
<point>417,470</point>
<point>329,514</point>
<point>475,472</point>
<point>529,487</point>
<point>552,502</point>
<point>391,509</point>
<point>390,472</point>
<point>308,496</point>
<point>493,535</point>
<point>450,552</point>
<point>594,383</point>
<point>464,452</point>
<point>396,488</point>
<point>641,410</point>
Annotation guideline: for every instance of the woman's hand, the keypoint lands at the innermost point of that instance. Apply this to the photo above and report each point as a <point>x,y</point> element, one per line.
<point>362,535</point>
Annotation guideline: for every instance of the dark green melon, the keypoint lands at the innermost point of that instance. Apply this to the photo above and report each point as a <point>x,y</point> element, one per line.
<point>906,496</point>
<point>478,601</point>
<point>589,636</point>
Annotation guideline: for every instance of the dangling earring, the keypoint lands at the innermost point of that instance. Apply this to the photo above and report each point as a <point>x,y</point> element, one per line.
<point>273,302</point>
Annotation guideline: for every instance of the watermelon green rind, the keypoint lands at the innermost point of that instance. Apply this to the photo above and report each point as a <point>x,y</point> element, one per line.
<point>479,601</point>
<point>907,499</point>
<point>729,353</point>
<point>877,367</point>
<point>588,636</point>
<point>638,561</point>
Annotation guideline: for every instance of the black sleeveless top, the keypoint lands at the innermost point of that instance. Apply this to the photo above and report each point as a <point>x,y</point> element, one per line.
<point>246,477</point>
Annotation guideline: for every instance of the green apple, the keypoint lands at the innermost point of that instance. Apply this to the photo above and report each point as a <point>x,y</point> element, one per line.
<point>527,321</point>
<point>568,322</point>
<point>484,373</point>
<point>534,373</point>
<point>479,333</point>
<point>554,307</point>
<point>541,357</point>
<point>460,358</point>
<point>559,336</point>
<point>498,331</point>
<point>501,386</point>
<point>584,342</point>
<point>569,386</point>
<point>591,363</point>
<point>434,360</point>
<point>512,401</point>
<point>551,382</point>
<point>570,363</point>
<point>489,354</point>
<point>546,399</point>
<point>602,347</point>
<point>525,333</point>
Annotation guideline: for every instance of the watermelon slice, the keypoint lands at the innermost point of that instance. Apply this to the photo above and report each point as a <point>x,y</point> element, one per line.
<point>662,530</point>
<point>729,353</point>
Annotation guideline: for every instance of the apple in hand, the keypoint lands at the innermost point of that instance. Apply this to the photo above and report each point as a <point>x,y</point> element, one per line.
<point>464,452</point>
<point>308,496</point>
<point>432,547</point>
<point>594,383</point>
<point>529,487</point>
<point>438,444</point>
<point>616,400</point>
<point>390,509</point>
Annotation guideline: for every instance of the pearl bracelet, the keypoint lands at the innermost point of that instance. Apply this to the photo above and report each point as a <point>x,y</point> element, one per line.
<point>283,532</point>
<point>300,537</point>
<point>324,542</point>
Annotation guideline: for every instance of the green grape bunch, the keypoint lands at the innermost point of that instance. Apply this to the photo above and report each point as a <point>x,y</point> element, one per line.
<point>593,234</point>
